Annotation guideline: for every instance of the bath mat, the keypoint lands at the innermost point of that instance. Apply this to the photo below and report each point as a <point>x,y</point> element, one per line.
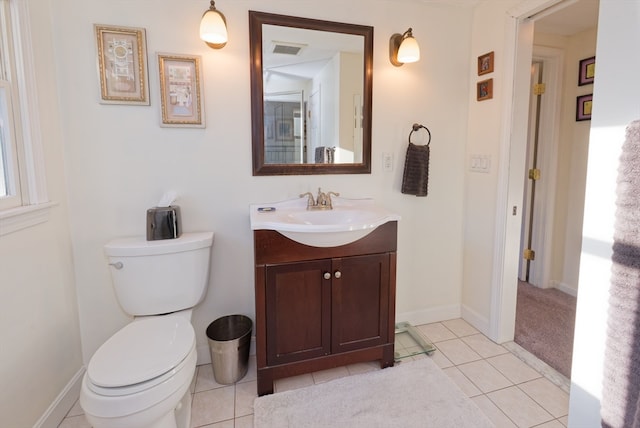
<point>411,394</point>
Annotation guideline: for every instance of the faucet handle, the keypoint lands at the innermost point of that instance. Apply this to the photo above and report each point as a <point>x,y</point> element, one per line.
<point>328,201</point>
<point>310,201</point>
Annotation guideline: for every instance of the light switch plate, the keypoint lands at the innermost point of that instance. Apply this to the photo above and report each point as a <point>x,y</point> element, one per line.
<point>387,162</point>
<point>480,163</point>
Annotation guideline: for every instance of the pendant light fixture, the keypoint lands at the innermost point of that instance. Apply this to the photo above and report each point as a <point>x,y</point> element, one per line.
<point>213,27</point>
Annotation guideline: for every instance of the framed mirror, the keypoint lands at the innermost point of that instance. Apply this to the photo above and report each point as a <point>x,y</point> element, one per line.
<point>311,95</point>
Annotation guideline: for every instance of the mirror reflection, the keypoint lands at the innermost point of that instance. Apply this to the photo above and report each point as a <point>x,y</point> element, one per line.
<point>311,95</point>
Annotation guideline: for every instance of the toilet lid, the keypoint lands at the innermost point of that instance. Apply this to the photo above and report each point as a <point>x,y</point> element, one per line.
<point>142,350</point>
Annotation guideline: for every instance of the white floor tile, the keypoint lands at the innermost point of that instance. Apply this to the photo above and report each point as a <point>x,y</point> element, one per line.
<point>519,407</point>
<point>483,346</point>
<point>513,368</point>
<point>440,360</point>
<point>205,379</point>
<point>460,327</point>
<point>213,406</point>
<point>294,382</point>
<point>553,399</point>
<point>330,374</point>
<point>484,376</point>
<point>246,393</point>
<point>551,424</point>
<point>78,421</point>
<point>499,419</point>
<point>457,351</point>
<point>467,387</point>
<point>436,332</point>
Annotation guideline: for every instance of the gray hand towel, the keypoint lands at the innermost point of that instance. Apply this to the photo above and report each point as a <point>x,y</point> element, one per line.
<point>415,180</point>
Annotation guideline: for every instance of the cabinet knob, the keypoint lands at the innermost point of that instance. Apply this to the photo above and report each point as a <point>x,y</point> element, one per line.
<point>338,274</point>
<point>327,275</point>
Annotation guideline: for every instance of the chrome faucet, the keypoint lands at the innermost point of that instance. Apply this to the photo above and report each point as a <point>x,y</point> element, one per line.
<point>322,201</point>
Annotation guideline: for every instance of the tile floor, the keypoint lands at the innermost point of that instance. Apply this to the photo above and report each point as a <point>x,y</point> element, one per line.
<point>509,391</point>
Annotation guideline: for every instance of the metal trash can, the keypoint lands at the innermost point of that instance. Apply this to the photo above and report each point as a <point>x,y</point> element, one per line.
<point>229,343</point>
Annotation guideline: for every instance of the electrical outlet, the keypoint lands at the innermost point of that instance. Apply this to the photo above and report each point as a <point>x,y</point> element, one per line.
<point>387,162</point>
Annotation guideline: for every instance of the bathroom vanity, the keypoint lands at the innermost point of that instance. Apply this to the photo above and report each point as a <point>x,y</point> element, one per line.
<point>323,307</point>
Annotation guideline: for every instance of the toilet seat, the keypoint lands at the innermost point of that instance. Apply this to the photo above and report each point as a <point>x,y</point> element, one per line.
<point>141,355</point>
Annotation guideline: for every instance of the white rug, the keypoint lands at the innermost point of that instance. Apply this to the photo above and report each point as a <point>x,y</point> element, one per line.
<point>411,394</point>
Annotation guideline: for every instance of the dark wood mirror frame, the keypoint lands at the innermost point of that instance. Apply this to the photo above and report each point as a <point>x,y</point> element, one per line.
<point>256,20</point>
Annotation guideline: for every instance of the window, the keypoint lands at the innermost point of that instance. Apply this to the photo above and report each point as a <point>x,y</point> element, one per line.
<point>10,195</point>
<point>23,196</point>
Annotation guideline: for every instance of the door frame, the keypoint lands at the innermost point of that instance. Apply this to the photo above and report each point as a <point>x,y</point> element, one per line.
<point>552,60</point>
<point>517,56</point>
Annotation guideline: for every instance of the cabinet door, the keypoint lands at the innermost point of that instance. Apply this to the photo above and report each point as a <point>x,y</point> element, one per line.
<point>360,311</point>
<point>298,311</point>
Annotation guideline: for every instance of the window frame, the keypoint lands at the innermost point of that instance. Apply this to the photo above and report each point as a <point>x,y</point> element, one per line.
<point>35,204</point>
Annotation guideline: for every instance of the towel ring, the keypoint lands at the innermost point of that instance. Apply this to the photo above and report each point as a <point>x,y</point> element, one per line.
<point>416,127</point>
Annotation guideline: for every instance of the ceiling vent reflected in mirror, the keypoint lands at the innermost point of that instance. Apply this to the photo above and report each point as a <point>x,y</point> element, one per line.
<point>287,48</point>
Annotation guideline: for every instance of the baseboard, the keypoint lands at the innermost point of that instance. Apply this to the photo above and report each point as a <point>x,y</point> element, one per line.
<point>564,288</point>
<point>56,412</point>
<point>204,357</point>
<point>426,316</point>
<point>480,322</point>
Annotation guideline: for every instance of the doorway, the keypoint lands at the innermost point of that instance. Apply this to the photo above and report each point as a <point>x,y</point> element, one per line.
<point>551,265</point>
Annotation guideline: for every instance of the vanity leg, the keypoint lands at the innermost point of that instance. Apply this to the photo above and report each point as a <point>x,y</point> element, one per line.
<point>265,383</point>
<point>388,358</point>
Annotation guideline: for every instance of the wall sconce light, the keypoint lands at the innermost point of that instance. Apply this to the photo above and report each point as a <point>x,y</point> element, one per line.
<point>403,48</point>
<point>213,27</point>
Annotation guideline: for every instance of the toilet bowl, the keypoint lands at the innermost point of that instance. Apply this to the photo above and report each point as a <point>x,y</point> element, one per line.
<point>141,376</point>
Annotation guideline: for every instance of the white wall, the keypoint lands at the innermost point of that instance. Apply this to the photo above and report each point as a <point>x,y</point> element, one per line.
<point>483,138</point>
<point>119,161</point>
<point>39,332</point>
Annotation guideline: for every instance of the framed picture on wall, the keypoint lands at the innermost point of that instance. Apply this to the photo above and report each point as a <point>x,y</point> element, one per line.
<point>122,64</point>
<point>485,63</point>
<point>181,92</point>
<point>587,71</point>
<point>485,90</point>
<point>583,108</point>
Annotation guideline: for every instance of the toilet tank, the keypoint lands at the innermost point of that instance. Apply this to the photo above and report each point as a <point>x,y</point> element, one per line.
<point>157,277</point>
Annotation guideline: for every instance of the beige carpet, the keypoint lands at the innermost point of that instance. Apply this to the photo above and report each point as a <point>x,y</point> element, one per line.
<point>412,394</point>
<point>545,321</point>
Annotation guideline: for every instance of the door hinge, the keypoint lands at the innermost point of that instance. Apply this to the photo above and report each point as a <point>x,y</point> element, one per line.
<point>529,254</point>
<point>539,89</point>
<point>534,174</point>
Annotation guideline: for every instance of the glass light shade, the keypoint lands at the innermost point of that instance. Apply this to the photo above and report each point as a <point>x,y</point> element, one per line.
<point>213,28</point>
<point>409,50</point>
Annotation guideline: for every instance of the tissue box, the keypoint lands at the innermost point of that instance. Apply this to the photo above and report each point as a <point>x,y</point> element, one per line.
<point>163,223</point>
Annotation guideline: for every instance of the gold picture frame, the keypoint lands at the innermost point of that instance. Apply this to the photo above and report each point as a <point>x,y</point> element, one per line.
<point>485,90</point>
<point>181,91</point>
<point>485,63</point>
<point>122,64</point>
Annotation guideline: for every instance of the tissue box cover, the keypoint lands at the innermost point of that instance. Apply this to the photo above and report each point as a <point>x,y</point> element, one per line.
<point>163,223</point>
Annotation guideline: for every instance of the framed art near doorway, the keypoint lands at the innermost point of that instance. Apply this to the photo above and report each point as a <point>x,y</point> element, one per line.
<point>583,107</point>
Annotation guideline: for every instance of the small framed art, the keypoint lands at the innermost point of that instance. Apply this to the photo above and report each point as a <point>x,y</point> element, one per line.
<point>122,65</point>
<point>485,63</point>
<point>485,90</point>
<point>583,107</point>
<point>181,99</point>
<point>587,71</point>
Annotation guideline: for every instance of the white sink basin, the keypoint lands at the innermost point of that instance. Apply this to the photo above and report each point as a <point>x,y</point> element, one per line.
<point>348,221</point>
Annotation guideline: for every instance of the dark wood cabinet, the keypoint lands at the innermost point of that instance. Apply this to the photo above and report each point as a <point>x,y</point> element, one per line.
<point>318,308</point>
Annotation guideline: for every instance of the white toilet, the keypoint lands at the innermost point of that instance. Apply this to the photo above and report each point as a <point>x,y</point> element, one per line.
<point>140,377</point>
